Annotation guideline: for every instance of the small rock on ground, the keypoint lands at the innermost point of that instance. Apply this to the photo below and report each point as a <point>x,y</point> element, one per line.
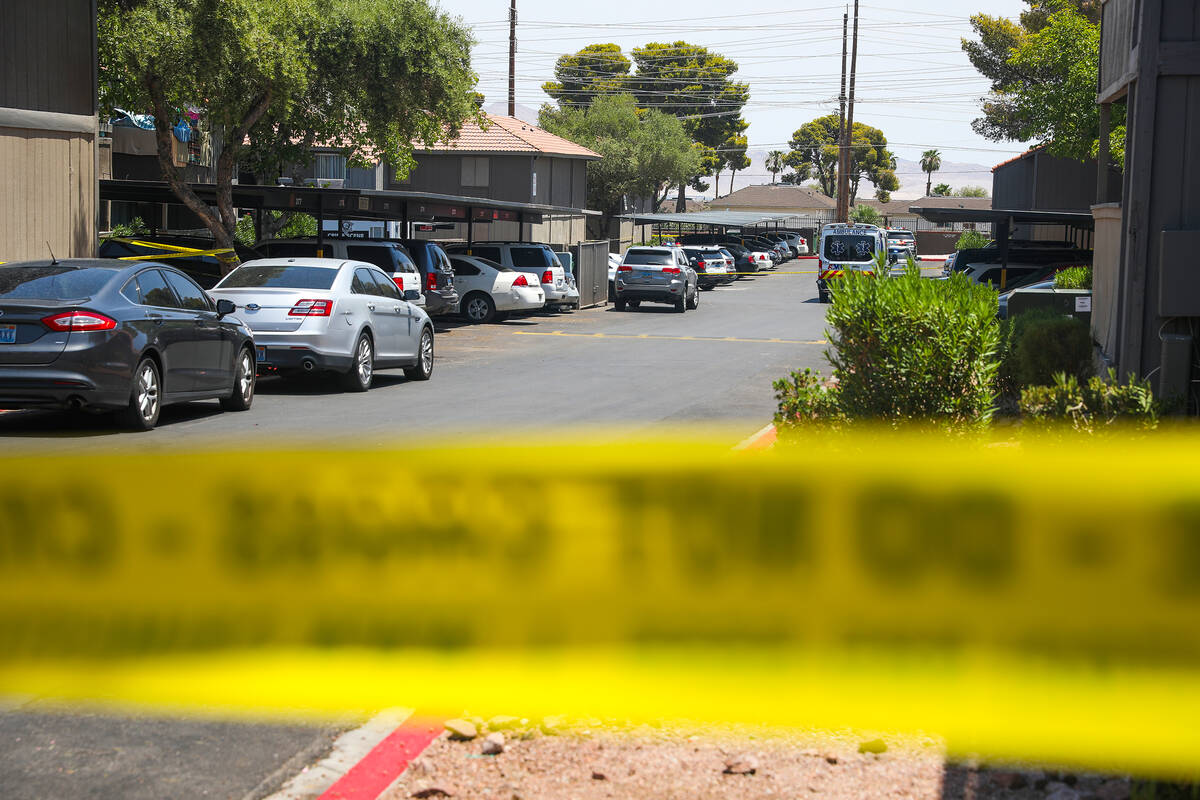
<point>493,744</point>
<point>461,730</point>
<point>744,765</point>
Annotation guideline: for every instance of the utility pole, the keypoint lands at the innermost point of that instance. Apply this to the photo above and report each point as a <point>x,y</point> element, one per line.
<point>841,162</point>
<point>512,58</point>
<point>848,133</point>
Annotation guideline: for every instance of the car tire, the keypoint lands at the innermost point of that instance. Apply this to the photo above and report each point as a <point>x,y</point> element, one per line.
<point>635,304</point>
<point>502,316</point>
<point>681,304</point>
<point>243,383</point>
<point>145,397</point>
<point>362,365</point>
<point>479,308</point>
<point>694,303</point>
<point>619,304</point>
<point>423,370</point>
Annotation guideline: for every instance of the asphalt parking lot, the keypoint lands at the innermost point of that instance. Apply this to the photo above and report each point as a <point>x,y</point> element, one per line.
<point>550,374</point>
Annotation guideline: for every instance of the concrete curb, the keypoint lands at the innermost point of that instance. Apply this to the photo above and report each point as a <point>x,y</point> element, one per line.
<point>763,439</point>
<point>348,750</point>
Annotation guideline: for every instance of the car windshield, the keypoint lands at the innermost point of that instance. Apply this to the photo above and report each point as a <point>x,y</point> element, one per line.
<point>899,235</point>
<point>52,282</point>
<point>649,257</point>
<point>279,276</point>
<point>847,247</point>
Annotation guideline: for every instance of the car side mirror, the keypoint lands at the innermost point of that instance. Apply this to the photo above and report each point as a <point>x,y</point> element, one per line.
<point>412,295</point>
<point>225,307</point>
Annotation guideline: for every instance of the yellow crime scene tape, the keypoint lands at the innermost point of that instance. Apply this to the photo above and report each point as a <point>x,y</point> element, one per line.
<point>174,250</point>
<point>1033,602</point>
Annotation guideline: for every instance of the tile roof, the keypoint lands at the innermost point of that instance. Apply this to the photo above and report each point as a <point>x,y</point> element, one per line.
<point>773,196</point>
<point>1027,154</point>
<point>509,135</point>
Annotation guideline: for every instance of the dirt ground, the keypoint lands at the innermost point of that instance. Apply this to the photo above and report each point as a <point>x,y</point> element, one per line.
<point>678,761</point>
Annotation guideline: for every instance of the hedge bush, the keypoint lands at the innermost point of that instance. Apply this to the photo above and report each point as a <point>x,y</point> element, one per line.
<point>1091,406</point>
<point>1073,278</point>
<point>903,349</point>
<point>971,240</point>
<point>1049,345</point>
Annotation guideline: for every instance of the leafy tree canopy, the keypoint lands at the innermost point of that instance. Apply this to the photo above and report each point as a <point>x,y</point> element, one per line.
<point>595,70</point>
<point>643,151</point>
<point>942,190</point>
<point>1043,72</point>
<point>814,154</point>
<point>373,76</point>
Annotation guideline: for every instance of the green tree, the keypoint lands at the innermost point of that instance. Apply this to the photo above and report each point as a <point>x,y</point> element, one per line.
<point>1043,71</point>
<point>282,74</point>
<point>595,70</point>
<point>942,190</point>
<point>735,156</point>
<point>814,153</point>
<point>972,191</point>
<point>696,85</point>
<point>931,162</point>
<point>865,214</point>
<point>776,162</point>
<point>642,151</point>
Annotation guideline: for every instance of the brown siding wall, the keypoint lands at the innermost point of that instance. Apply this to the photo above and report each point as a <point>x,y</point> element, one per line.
<point>47,56</point>
<point>49,194</point>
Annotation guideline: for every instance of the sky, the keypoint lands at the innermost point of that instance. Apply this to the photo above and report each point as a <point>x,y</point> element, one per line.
<point>914,82</point>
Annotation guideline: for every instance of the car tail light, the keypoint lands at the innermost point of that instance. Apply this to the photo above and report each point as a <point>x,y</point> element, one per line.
<point>311,308</point>
<point>672,270</point>
<point>79,321</point>
<point>548,276</point>
<point>399,282</point>
<point>431,281</point>
<point>624,268</point>
<point>520,281</point>
<point>702,263</point>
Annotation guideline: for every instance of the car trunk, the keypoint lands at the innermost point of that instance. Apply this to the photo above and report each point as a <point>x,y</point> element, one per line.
<point>24,339</point>
<point>267,309</point>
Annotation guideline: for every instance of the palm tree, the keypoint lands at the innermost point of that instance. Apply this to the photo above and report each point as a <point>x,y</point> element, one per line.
<point>931,162</point>
<point>776,163</point>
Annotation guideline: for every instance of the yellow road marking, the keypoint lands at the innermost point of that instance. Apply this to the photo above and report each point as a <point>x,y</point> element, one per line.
<point>669,338</point>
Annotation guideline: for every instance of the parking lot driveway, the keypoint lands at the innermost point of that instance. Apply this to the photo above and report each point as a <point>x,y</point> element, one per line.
<point>45,755</point>
<point>549,373</point>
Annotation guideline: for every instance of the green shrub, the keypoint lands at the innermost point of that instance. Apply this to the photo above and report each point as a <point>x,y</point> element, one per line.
<point>1008,386</point>
<point>804,402</point>
<point>1090,406</point>
<point>1074,278</point>
<point>971,240</point>
<point>909,349</point>
<point>1048,345</point>
<point>865,214</point>
<point>135,227</point>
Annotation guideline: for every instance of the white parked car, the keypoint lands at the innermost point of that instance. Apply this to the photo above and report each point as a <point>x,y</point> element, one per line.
<point>391,257</point>
<point>491,292</point>
<point>311,314</point>
<point>532,258</point>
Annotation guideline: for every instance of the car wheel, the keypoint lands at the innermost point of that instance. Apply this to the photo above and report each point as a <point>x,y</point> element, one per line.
<point>681,304</point>
<point>619,304</point>
<point>243,383</point>
<point>635,304</point>
<point>694,303</point>
<point>145,397</point>
<point>424,368</point>
<point>362,366</point>
<point>479,307</point>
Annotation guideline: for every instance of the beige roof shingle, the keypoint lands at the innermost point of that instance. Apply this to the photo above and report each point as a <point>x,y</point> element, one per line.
<point>510,135</point>
<point>773,196</point>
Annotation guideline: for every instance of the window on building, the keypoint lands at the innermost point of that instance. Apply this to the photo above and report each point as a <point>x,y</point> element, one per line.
<point>474,171</point>
<point>329,167</point>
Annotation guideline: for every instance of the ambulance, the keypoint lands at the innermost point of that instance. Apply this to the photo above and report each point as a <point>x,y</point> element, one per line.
<point>847,246</point>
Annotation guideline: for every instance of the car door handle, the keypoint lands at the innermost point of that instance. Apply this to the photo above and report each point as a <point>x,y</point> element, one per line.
<point>158,318</point>
<point>399,310</point>
<point>371,306</point>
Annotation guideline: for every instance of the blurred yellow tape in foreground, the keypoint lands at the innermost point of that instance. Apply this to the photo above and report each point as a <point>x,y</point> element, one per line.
<point>950,587</point>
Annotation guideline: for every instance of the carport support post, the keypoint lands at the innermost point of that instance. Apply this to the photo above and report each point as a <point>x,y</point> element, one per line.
<point>320,225</point>
<point>1003,237</point>
<point>470,229</point>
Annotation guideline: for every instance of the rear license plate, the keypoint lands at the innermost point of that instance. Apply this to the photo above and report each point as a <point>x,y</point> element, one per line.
<point>8,334</point>
<point>260,353</point>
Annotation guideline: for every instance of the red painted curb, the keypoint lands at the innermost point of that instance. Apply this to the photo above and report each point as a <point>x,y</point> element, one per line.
<point>367,779</point>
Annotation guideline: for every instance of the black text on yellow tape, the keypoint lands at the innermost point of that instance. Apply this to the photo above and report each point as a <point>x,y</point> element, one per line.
<point>638,579</point>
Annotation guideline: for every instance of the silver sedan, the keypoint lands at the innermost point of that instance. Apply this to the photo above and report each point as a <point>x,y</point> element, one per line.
<point>314,314</point>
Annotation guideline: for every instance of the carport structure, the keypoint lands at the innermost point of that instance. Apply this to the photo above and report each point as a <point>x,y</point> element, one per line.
<point>349,204</point>
<point>718,221</point>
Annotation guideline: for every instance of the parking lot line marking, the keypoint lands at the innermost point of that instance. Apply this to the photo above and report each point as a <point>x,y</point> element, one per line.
<point>670,338</point>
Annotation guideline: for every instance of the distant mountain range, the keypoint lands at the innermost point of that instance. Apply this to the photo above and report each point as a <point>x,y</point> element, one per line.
<point>524,113</point>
